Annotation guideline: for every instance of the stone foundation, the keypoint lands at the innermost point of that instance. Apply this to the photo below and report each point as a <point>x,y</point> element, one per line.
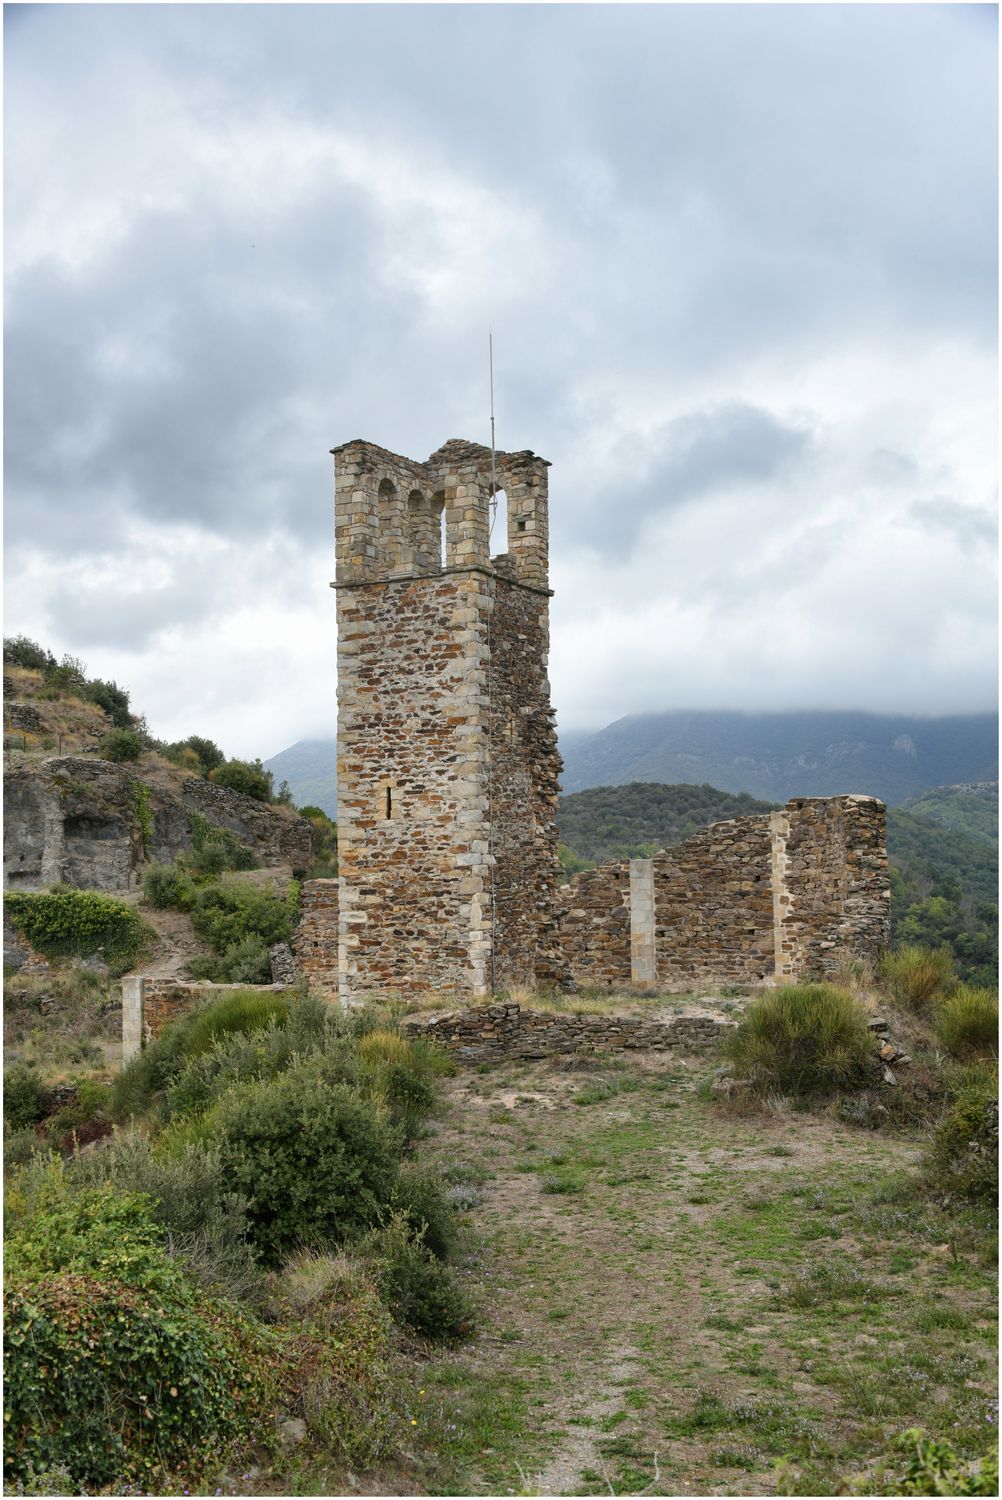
<point>492,1033</point>
<point>315,940</point>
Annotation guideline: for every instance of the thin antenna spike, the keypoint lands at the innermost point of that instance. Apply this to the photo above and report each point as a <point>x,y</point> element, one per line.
<point>494,477</point>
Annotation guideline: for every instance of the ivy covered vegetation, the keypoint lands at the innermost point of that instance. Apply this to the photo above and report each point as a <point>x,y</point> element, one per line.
<point>66,922</point>
<point>241,1248</point>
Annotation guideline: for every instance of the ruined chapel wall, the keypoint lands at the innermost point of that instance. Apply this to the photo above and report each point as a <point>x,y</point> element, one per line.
<point>412,723</point>
<point>315,940</point>
<point>836,882</point>
<point>593,923</point>
<point>524,772</point>
<point>714,907</point>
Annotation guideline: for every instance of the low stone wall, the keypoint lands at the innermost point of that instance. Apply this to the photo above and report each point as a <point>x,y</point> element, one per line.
<point>163,1001</point>
<point>489,1033</point>
<point>315,941</point>
<point>22,716</point>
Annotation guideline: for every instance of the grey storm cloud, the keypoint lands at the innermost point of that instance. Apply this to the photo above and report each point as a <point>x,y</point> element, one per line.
<point>716,244</point>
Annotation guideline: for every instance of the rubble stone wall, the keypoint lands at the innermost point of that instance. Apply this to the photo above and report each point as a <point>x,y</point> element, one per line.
<point>493,1032</point>
<point>594,925</point>
<point>751,901</point>
<point>315,940</point>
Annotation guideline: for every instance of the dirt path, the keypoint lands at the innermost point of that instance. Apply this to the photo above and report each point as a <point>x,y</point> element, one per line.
<point>684,1300</point>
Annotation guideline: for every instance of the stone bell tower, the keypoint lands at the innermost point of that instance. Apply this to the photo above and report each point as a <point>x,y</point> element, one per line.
<point>447,757</point>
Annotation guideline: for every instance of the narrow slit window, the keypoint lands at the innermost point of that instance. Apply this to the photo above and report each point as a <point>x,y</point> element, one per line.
<point>389,802</point>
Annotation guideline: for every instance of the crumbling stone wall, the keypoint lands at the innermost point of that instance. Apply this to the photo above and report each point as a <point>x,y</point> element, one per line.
<point>276,837</point>
<point>750,901</point>
<point>593,914</point>
<point>447,758</point>
<point>164,1001</point>
<point>492,1033</point>
<point>713,907</point>
<point>315,940</point>
<point>24,716</point>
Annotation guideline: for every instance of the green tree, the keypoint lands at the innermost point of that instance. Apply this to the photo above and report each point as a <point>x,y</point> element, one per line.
<point>248,777</point>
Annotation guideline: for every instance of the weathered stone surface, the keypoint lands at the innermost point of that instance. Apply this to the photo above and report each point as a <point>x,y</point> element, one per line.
<point>750,901</point>
<point>282,963</point>
<point>315,941</point>
<point>76,819</point>
<point>447,758</point>
<point>22,716</point>
<point>494,1032</point>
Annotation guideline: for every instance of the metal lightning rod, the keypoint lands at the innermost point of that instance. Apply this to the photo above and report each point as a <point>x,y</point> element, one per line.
<point>494,477</point>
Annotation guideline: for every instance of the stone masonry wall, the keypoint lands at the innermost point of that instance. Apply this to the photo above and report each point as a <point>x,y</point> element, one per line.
<point>165,1000</point>
<point>836,882</point>
<point>493,1032</point>
<point>751,901</point>
<point>594,925</point>
<point>315,940</point>
<point>523,784</point>
<point>713,906</point>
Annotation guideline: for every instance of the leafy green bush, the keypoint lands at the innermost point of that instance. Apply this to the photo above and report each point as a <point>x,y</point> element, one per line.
<point>244,776</point>
<point>243,1011</point>
<point>113,699</point>
<point>190,1198</point>
<point>115,1366</point>
<point>25,1097</point>
<point>22,651</point>
<point>226,913</point>
<point>245,962</point>
<point>323,833</point>
<point>340,1375</point>
<point>963,1157</point>
<point>66,922</point>
<point>169,888</point>
<point>422,1198</point>
<point>802,1039</point>
<point>216,849</point>
<point>917,975</point>
<point>967,1022</point>
<point>923,1466</point>
<point>422,1292</point>
<point>120,745</point>
<point>316,1161</point>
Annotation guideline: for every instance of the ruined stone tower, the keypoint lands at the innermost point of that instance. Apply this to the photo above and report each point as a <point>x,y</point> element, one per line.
<point>447,757</point>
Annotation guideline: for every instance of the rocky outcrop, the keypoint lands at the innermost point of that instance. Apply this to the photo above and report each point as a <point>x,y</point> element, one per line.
<point>96,825</point>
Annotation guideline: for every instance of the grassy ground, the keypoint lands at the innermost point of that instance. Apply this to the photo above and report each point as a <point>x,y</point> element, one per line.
<point>682,1302</point>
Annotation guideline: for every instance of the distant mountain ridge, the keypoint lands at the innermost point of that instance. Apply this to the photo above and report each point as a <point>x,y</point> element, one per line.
<point>777,756</point>
<point>771,757</point>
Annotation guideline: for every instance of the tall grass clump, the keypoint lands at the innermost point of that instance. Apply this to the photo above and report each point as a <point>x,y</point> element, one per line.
<point>915,976</point>
<point>962,1160</point>
<point>802,1039</point>
<point>966,1022</point>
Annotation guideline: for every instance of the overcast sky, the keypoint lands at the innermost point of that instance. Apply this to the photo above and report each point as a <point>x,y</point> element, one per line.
<point>740,264</point>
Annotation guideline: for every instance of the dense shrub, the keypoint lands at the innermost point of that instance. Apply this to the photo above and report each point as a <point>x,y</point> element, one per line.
<point>69,922</point>
<point>227,913</point>
<point>340,1377</point>
<point>115,1366</point>
<point>966,1022</point>
<point>922,1466</point>
<point>204,1221</point>
<point>802,1039</point>
<point>422,1292</point>
<point>917,975</point>
<point>323,833</point>
<point>963,1157</point>
<point>244,776</point>
<point>246,1010</point>
<point>21,651</point>
<point>120,745</point>
<point>316,1161</point>
<point>244,962</point>
<point>214,849</point>
<point>423,1200</point>
<point>169,888</point>
<point>138,1088</point>
<point>25,1097</point>
<point>113,699</point>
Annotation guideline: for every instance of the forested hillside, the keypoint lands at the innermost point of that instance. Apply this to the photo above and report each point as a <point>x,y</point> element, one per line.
<point>626,822</point>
